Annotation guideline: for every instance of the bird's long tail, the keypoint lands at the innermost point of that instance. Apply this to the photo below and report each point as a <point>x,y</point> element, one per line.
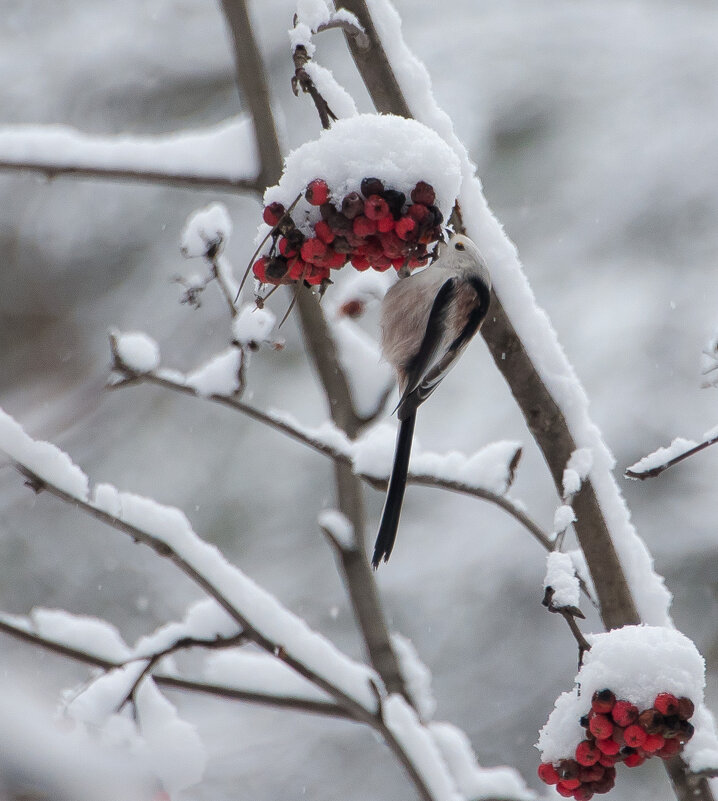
<point>395,494</point>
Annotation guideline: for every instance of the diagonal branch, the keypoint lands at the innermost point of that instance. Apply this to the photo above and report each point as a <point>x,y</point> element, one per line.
<point>637,471</point>
<point>176,682</point>
<point>342,456</point>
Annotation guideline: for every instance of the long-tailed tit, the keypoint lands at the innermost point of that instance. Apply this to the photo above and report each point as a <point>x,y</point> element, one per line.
<point>427,320</point>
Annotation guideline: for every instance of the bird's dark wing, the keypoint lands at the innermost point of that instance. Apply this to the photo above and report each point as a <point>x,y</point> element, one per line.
<point>417,367</point>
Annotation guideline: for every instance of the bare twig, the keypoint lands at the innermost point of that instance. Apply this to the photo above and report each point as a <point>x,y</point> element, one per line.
<point>175,682</point>
<point>658,469</point>
<point>302,80</point>
<point>355,33</point>
<point>217,182</point>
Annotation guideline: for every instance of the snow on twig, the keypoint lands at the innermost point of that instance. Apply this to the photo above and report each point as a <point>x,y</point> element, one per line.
<point>661,459</point>
<point>222,156</point>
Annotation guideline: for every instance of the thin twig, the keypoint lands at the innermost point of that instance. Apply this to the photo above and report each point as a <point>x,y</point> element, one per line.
<point>302,80</point>
<point>353,31</point>
<point>658,469</point>
<point>217,182</point>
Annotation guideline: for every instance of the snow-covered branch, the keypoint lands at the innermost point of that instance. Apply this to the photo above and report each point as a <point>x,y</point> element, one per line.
<point>221,157</point>
<point>450,472</point>
<point>661,459</point>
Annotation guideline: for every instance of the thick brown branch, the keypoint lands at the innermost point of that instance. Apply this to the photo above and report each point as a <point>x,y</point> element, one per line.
<point>217,182</point>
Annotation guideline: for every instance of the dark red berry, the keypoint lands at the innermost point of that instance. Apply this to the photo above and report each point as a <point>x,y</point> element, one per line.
<point>592,773</point>
<point>568,769</point>
<point>355,308</point>
<point>666,704</point>
<point>603,701</point>
<point>286,249</point>
<point>685,708</point>
<point>651,720</point>
<point>352,205</point>
<point>396,201</point>
<point>423,193</point>
<point>547,773</point>
<point>583,794</point>
<point>276,270</point>
<point>381,263</point>
<point>317,192</point>
<point>376,207</point>
<point>670,748</point>
<point>686,731</point>
<point>371,186</point>
<point>587,754</point>
<point>624,713</point>
<point>273,213</point>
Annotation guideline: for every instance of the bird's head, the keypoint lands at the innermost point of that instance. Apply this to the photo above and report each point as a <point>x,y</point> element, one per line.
<point>461,253</point>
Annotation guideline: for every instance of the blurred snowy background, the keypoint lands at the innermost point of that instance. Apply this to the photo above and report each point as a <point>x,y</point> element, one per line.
<point>594,125</point>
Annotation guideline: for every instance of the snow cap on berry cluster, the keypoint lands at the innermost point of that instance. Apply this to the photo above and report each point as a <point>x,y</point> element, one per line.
<point>398,151</point>
<point>636,663</point>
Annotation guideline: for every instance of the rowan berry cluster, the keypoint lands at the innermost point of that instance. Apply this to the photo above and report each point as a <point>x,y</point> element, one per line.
<point>617,731</point>
<point>376,227</point>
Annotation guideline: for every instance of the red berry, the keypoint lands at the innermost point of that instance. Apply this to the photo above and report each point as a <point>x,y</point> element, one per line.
<point>653,743</point>
<point>376,207</point>
<point>385,224</point>
<point>419,212</point>
<point>414,263</point>
<point>587,753</point>
<point>608,746</point>
<point>391,245</point>
<point>273,213</point>
<point>423,193</point>
<point>624,713</point>
<point>371,186</point>
<point>286,249</point>
<point>297,268</point>
<point>583,794</point>
<point>405,228</point>
<point>336,260</point>
<point>397,264</point>
<point>603,701</point>
<point>566,792</point>
<point>360,263</point>
<point>313,249</point>
<point>547,773</point>
<point>666,704</point>
<point>363,226</point>
<point>685,708</point>
<point>608,760</point>
<point>634,736</point>
<point>634,760</point>
<point>600,726</point>
<point>259,269</point>
<point>670,748</point>
<point>381,264</point>
<point>316,275</point>
<point>317,192</point>
<point>592,774</point>
<point>324,232</point>
<point>570,784</point>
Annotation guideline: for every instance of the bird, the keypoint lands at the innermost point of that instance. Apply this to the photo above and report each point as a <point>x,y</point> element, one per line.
<point>427,320</point>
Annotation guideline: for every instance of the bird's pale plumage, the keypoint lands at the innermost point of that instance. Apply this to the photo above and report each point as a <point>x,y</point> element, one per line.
<point>427,321</point>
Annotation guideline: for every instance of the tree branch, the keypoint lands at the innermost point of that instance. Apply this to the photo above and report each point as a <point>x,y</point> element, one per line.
<point>175,682</point>
<point>217,182</point>
<point>343,458</point>
<point>658,469</point>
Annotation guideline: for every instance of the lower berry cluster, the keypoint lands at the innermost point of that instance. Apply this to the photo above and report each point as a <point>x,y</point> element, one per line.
<point>617,731</point>
<point>377,227</point>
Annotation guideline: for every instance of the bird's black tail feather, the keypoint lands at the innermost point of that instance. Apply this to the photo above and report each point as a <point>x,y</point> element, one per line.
<point>395,494</point>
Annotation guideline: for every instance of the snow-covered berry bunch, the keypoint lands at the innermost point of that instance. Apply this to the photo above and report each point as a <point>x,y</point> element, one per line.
<point>617,731</point>
<point>376,227</point>
<point>372,191</point>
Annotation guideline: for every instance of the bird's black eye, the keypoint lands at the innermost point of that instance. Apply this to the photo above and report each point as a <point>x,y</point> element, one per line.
<point>460,246</point>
